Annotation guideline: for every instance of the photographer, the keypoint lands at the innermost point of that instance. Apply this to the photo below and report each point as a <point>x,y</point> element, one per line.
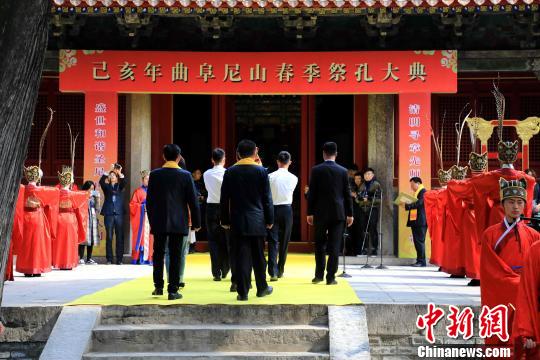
<point>113,186</point>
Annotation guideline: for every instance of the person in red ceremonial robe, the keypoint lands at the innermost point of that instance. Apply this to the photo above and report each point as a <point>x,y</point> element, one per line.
<point>39,225</point>
<point>16,234</point>
<point>526,330</point>
<point>72,223</point>
<point>435,205</point>
<point>504,247</point>
<point>142,242</point>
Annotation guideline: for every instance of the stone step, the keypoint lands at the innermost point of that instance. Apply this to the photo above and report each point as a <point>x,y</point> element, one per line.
<point>216,314</point>
<point>208,337</point>
<point>207,355</point>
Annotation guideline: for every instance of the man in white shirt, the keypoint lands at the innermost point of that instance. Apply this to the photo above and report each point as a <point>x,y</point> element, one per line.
<point>282,185</point>
<point>218,239</point>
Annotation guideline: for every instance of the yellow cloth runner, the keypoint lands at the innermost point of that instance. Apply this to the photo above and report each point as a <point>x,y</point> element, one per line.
<point>413,214</point>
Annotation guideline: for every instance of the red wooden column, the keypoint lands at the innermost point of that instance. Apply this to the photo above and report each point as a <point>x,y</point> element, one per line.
<point>360,131</point>
<point>308,156</point>
<point>223,125</point>
<point>162,126</point>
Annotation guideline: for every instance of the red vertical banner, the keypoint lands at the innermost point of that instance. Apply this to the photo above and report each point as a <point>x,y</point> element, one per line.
<point>100,133</point>
<point>414,157</point>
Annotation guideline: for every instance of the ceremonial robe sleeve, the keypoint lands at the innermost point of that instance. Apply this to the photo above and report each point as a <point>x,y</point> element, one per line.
<point>527,318</point>
<point>50,200</point>
<point>135,208</point>
<point>79,199</point>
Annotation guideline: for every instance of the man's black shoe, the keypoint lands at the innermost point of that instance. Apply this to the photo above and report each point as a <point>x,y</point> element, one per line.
<point>474,282</point>
<point>273,278</point>
<point>175,296</point>
<point>182,285</point>
<point>280,274</point>
<point>316,280</point>
<point>234,288</point>
<point>119,262</point>
<point>332,282</point>
<point>457,276</point>
<point>418,265</point>
<point>217,278</point>
<point>242,298</point>
<point>157,292</point>
<point>265,292</point>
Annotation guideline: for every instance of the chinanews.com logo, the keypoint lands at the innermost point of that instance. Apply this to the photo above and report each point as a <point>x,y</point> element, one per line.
<point>492,322</point>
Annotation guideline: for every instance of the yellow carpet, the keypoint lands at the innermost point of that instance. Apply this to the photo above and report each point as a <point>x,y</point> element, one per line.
<point>294,288</point>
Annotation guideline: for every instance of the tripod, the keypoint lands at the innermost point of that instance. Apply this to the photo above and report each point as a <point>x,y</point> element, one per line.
<point>344,273</point>
<point>366,265</point>
<point>381,266</point>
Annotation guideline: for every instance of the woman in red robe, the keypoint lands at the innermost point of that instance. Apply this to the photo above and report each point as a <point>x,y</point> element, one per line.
<point>72,224</point>
<point>142,242</point>
<point>39,226</point>
<point>527,319</point>
<point>504,247</point>
<point>16,234</point>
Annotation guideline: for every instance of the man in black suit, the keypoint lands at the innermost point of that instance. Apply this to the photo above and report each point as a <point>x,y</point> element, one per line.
<point>247,210</point>
<point>329,210</point>
<point>170,192</point>
<point>113,186</point>
<point>417,221</point>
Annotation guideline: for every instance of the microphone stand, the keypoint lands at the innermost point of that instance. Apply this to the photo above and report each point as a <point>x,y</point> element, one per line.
<point>366,265</point>
<point>381,266</point>
<point>344,273</point>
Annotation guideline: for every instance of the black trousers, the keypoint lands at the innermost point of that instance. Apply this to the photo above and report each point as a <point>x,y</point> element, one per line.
<point>114,224</point>
<point>174,246</point>
<point>419,238</point>
<point>371,242</point>
<point>249,255</point>
<point>89,249</point>
<point>219,243</point>
<point>328,244</point>
<point>278,239</point>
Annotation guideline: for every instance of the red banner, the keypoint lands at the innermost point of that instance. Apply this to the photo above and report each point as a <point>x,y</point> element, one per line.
<point>100,134</point>
<point>258,73</point>
<point>414,156</point>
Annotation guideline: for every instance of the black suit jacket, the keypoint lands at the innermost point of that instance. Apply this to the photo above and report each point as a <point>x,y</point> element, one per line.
<point>246,200</point>
<point>110,206</point>
<point>170,193</point>
<point>421,215</point>
<point>329,196</point>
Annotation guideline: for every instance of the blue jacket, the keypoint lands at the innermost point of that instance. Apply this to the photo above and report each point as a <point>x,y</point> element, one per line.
<point>246,200</point>
<point>114,197</point>
<point>170,193</point>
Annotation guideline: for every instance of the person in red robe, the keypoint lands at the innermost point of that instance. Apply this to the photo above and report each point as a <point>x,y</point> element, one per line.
<point>142,242</point>
<point>72,224</point>
<point>39,225</point>
<point>435,206</point>
<point>16,234</point>
<point>527,318</point>
<point>504,247</point>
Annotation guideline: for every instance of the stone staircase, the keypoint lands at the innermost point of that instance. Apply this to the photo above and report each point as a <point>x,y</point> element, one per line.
<point>211,332</point>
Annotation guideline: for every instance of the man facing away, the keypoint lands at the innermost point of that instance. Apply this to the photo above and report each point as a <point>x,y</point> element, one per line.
<point>218,239</point>
<point>329,210</point>
<point>247,210</point>
<point>282,185</point>
<point>170,192</point>
<point>417,221</point>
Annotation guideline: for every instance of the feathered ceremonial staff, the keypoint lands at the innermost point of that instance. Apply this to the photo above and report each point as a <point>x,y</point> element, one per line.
<point>44,137</point>
<point>459,130</point>
<point>438,142</point>
<point>72,145</point>
<point>500,104</point>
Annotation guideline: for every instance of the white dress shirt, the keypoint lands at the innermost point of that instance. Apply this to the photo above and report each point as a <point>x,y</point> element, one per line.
<point>213,178</point>
<point>282,184</point>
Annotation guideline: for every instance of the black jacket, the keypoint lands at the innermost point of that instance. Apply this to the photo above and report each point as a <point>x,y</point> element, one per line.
<point>329,196</point>
<point>372,195</point>
<point>114,196</point>
<point>421,215</point>
<point>170,192</point>
<point>246,200</point>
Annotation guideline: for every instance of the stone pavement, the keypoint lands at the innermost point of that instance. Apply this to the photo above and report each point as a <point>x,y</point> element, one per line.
<point>396,285</point>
